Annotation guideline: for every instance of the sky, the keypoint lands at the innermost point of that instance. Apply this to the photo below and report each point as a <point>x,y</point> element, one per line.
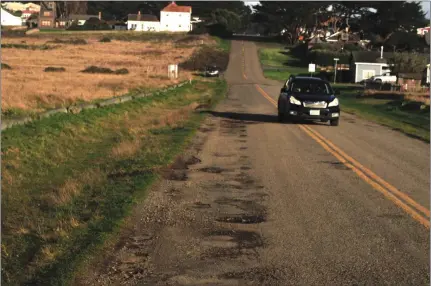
<point>425,6</point>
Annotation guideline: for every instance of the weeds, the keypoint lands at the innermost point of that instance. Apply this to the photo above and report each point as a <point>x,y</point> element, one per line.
<point>105,40</point>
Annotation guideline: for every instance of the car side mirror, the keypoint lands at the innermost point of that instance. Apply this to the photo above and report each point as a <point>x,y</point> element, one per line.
<point>283,89</point>
<point>336,92</point>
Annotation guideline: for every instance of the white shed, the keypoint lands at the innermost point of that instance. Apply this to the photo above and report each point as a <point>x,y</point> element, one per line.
<point>7,19</point>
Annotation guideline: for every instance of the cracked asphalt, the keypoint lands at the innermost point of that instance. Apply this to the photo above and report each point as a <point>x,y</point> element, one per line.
<point>257,202</point>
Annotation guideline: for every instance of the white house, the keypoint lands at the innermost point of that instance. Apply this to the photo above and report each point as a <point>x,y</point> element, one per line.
<point>7,19</point>
<point>174,18</point>
<point>143,22</point>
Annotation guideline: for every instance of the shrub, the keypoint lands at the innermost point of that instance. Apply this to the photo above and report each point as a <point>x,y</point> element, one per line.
<point>94,69</point>
<point>122,71</point>
<point>69,41</point>
<point>326,58</point>
<point>105,40</point>
<point>55,69</point>
<point>206,56</point>
<point>5,66</point>
<point>26,47</point>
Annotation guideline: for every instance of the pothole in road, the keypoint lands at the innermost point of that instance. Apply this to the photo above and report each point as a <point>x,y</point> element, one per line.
<point>337,165</point>
<point>243,168</point>
<point>243,148</point>
<point>244,219</point>
<point>199,205</point>
<point>174,175</point>
<point>214,170</point>
<point>262,275</point>
<point>246,242</point>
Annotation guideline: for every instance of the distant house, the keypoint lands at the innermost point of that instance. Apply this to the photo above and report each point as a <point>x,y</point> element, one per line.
<point>47,16</point>
<point>365,64</point>
<point>174,18</point>
<point>143,22</point>
<point>117,25</point>
<point>81,19</point>
<point>7,19</point>
<point>27,13</point>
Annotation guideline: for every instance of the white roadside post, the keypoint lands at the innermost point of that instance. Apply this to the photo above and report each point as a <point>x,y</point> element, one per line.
<point>335,75</point>
<point>311,69</point>
<point>173,71</point>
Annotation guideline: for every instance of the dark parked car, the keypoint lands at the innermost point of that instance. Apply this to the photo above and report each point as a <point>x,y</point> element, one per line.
<point>308,98</point>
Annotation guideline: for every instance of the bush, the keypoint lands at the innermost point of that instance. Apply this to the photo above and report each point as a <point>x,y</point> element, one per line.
<point>204,57</point>
<point>5,66</point>
<point>69,41</point>
<point>105,40</point>
<point>122,71</point>
<point>26,47</point>
<point>300,51</point>
<point>94,69</point>
<point>325,58</point>
<point>54,69</point>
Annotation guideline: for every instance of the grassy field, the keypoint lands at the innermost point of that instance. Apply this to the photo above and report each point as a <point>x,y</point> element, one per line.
<point>278,64</point>
<point>68,181</point>
<point>27,88</point>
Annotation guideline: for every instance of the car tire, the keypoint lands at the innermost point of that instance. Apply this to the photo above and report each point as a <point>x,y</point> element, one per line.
<point>335,122</point>
<point>281,117</point>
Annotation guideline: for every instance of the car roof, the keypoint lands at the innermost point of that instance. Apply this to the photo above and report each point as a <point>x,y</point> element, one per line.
<point>306,78</point>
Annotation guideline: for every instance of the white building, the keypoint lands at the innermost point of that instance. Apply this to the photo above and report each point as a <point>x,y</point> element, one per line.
<point>143,22</point>
<point>174,18</point>
<point>7,19</point>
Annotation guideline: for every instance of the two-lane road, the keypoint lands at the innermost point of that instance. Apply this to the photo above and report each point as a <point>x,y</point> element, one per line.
<point>280,204</point>
<point>348,204</point>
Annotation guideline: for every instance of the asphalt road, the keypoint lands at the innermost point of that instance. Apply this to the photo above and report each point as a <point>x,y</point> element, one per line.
<point>281,204</point>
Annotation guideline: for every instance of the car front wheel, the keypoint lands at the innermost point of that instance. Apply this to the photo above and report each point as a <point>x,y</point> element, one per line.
<point>335,122</point>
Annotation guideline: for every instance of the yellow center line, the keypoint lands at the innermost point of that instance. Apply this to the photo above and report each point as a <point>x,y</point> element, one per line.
<point>364,173</point>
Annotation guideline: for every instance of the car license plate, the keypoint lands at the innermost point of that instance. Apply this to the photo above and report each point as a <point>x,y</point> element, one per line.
<point>314,112</point>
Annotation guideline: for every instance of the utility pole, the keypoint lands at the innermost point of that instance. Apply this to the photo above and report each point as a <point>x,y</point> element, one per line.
<point>335,75</point>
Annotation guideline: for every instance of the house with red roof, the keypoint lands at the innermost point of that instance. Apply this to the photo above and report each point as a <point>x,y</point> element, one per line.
<point>175,18</point>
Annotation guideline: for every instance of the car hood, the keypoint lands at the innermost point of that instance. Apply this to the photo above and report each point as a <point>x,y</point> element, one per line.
<point>313,97</point>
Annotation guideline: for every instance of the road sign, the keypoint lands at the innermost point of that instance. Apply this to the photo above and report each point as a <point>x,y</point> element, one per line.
<point>311,68</point>
<point>336,59</point>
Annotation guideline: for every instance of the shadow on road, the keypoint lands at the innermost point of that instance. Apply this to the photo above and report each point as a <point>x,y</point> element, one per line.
<point>263,118</point>
<point>258,118</point>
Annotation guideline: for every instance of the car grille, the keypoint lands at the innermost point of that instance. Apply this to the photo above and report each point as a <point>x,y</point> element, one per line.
<point>315,104</point>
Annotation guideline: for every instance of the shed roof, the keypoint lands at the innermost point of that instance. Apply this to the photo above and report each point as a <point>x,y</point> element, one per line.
<point>142,17</point>
<point>173,7</point>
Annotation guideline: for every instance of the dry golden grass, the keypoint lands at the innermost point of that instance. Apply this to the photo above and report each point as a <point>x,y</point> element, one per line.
<point>26,86</point>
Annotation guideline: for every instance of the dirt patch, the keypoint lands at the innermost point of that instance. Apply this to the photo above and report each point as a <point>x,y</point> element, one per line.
<point>244,168</point>
<point>174,175</point>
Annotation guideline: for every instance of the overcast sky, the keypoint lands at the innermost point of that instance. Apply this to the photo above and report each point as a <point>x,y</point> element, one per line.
<point>425,6</point>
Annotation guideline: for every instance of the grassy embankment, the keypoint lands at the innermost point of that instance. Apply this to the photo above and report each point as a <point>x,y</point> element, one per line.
<point>69,181</point>
<point>395,111</point>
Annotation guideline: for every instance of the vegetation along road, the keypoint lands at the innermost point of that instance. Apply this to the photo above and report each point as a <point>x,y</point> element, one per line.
<point>256,202</point>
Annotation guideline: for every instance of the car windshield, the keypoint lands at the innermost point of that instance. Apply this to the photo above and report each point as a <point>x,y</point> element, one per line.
<point>311,87</point>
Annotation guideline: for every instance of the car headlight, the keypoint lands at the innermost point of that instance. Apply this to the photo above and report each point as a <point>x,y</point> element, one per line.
<point>294,101</point>
<point>333,103</point>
